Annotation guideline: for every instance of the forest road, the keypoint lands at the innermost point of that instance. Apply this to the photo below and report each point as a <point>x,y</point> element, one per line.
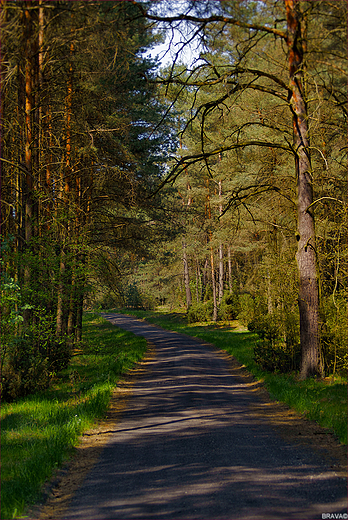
<point>190,445</point>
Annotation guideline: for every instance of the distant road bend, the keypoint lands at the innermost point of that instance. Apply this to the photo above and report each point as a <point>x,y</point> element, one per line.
<point>189,446</point>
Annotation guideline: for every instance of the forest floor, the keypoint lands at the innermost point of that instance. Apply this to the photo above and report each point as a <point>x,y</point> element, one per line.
<point>161,421</point>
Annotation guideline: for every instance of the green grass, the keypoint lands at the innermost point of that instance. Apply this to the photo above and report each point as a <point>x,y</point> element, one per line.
<point>323,401</point>
<point>39,432</point>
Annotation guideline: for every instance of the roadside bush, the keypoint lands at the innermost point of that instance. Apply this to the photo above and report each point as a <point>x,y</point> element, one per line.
<point>137,299</point>
<point>251,307</point>
<point>200,312</point>
<point>107,301</point>
<point>133,297</point>
<point>24,372</point>
<point>278,349</point>
<point>43,338</point>
<point>229,307</point>
<point>196,313</point>
<point>33,356</point>
<point>10,317</point>
<point>277,356</point>
<point>334,334</point>
<point>266,326</point>
<point>148,302</point>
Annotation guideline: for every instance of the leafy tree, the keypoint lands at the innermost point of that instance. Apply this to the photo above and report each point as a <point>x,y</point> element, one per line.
<point>275,50</point>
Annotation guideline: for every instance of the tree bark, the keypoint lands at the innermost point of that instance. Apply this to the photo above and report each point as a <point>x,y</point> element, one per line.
<point>79,314</point>
<point>28,139</point>
<point>213,281</point>
<point>71,321</point>
<point>28,126</point>
<point>269,293</point>
<point>212,266</point>
<point>204,276</point>
<point>221,251</point>
<point>80,297</point>
<point>198,283</point>
<point>229,269</point>
<point>65,204</point>
<point>39,111</point>
<point>308,299</point>
<point>221,272</point>
<point>60,320</point>
<point>186,277</point>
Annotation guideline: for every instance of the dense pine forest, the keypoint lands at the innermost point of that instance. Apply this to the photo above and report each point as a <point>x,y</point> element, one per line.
<point>216,183</point>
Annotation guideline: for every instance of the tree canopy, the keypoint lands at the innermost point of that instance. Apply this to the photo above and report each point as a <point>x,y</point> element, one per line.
<point>218,185</point>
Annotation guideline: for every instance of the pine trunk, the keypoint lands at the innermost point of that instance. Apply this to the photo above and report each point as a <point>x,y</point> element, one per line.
<point>229,269</point>
<point>72,307</point>
<point>79,296</point>
<point>60,320</point>
<point>306,253</point>
<point>269,293</point>
<point>221,272</point>
<point>213,281</point>
<point>198,283</point>
<point>79,314</point>
<point>65,272</point>
<point>221,252</point>
<point>28,185</point>
<point>205,277</point>
<point>186,277</point>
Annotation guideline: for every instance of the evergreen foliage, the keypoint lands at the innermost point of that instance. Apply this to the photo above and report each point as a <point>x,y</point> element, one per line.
<point>245,218</point>
<point>80,149</point>
<point>186,187</point>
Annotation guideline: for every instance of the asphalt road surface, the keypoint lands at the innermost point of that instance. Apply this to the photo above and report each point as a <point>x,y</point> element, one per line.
<point>188,446</point>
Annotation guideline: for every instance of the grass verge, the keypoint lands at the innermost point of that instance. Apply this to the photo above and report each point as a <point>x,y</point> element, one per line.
<point>320,400</point>
<point>39,432</point>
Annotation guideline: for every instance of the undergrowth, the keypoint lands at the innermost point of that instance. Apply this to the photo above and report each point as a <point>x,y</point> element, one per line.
<point>38,432</point>
<point>321,400</point>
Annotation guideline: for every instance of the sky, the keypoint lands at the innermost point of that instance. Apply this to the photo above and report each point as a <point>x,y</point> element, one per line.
<point>174,37</point>
<point>166,51</point>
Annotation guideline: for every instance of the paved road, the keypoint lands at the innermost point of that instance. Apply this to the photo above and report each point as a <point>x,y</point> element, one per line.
<point>189,447</point>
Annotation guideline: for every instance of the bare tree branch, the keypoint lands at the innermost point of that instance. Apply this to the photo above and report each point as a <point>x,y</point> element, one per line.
<point>210,19</point>
<point>189,160</point>
<point>223,79</point>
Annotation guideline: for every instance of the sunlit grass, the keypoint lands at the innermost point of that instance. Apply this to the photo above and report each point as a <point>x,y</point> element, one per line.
<point>39,432</point>
<point>323,401</point>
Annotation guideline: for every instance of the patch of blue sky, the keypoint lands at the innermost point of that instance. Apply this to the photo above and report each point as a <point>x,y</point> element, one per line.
<point>179,45</point>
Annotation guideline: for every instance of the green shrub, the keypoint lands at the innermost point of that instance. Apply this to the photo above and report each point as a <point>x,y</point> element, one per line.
<point>107,301</point>
<point>133,297</point>
<point>278,349</point>
<point>10,317</point>
<point>137,299</point>
<point>334,335</point>
<point>200,312</point>
<point>277,356</point>
<point>266,327</point>
<point>24,371</point>
<point>250,307</point>
<point>33,356</point>
<point>229,307</point>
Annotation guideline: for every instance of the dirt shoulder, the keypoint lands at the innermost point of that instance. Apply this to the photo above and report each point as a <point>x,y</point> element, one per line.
<point>292,426</point>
